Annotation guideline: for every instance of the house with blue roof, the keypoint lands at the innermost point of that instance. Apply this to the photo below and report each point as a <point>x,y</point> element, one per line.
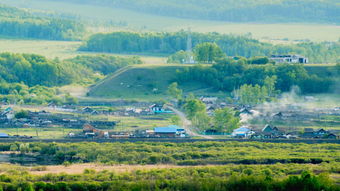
<point>169,131</point>
<point>241,132</point>
<point>4,135</point>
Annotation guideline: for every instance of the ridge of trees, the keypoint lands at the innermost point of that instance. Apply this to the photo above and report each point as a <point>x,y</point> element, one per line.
<point>20,23</point>
<point>229,74</point>
<point>234,11</point>
<point>231,45</point>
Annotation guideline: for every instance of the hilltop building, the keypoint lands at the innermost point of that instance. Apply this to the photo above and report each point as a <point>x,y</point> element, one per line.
<point>290,58</point>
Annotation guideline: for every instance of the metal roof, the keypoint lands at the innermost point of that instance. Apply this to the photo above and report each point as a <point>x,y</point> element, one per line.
<point>3,135</point>
<point>165,130</point>
<point>241,129</point>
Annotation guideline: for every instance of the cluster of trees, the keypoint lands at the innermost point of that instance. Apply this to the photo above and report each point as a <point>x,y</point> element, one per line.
<point>252,95</point>
<point>170,43</point>
<point>203,178</point>
<point>32,79</point>
<point>223,120</point>
<point>18,93</point>
<point>230,74</point>
<point>195,153</point>
<point>20,23</point>
<point>235,11</point>
<point>32,70</point>
<point>105,64</point>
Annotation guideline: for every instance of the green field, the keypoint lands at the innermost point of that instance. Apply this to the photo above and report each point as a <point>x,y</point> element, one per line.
<point>101,16</point>
<point>50,49</point>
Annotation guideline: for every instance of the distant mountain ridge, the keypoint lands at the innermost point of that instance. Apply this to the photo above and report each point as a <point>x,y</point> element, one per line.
<point>321,11</point>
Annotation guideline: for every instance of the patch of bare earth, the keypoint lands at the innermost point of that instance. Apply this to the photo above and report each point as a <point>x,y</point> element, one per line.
<point>79,168</point>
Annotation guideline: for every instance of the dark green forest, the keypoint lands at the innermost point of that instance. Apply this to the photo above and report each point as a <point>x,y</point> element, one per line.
<point>19,23</point>
<point>229,74</point>
<point>168,43</point>
<point>235,11</point>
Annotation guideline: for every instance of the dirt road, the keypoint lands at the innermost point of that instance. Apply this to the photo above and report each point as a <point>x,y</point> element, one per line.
<point>186,124</point>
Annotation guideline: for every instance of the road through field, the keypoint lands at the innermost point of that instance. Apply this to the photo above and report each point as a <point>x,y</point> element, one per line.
<point>187,124</point>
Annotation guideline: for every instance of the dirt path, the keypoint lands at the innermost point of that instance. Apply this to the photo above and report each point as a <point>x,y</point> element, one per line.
<point>79,168</point>
<point>187,124</point>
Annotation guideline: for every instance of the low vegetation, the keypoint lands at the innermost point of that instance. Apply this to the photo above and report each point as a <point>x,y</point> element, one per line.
<point>203,178</point>
<point>195,153</point>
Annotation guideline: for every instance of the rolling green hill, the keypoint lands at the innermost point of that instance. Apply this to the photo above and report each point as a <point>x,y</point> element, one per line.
<point>150,82</point>
<point>147,82</point>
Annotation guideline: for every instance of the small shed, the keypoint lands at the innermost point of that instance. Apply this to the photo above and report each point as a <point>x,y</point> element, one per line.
<point>4,135</point>
<point>241,132</point>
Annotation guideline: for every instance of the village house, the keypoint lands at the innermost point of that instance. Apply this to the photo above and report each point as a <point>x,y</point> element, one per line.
<point>169,131</point>
<point>271,132</point>
<point>209,100</point>
<point>310,133</point>
<point>242,132</point>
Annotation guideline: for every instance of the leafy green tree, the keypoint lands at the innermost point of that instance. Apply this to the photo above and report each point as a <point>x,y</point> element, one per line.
<point>193,107</point>
<point>179,57</point>
<point>224,120</point>
<point>208,52</point>
<point>174,91</point>
<point>21,114</point>
<point>202,121</point>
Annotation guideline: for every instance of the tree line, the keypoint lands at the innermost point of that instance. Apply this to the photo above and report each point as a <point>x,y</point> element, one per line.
<point>234,11</point>
<point>231,45</point>
<point>20,23</point>
<point>230,74</point>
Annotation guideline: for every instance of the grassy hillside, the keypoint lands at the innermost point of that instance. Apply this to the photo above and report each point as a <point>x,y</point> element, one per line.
<point>147,82</point>
<point>150,81</point>
<point>106,19</point>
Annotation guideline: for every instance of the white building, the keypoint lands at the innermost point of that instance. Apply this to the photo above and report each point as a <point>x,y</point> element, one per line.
<point>290,58</point>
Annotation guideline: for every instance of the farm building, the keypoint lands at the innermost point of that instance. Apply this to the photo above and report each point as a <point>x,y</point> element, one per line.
<point>4,135</point>
<point>241,132</point>
<point>291,58</point>
<point>169,131</point>
<point>165,131</point>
